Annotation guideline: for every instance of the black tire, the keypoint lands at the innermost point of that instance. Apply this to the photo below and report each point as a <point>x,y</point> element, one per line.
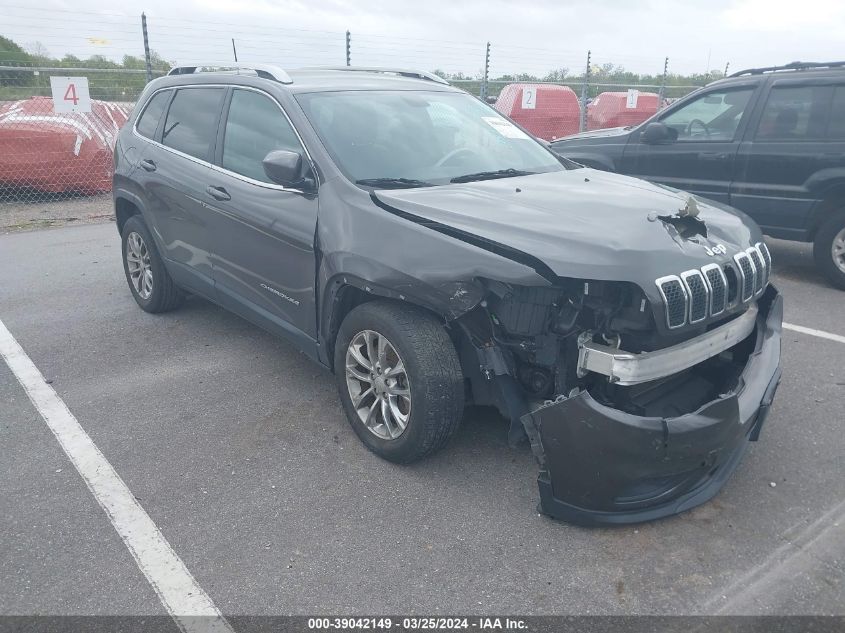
<point>823,249</point>
<point>165,295</point>
<point>433,372</point>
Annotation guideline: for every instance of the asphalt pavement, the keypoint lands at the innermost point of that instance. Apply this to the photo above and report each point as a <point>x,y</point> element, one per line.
<point>236,446</point>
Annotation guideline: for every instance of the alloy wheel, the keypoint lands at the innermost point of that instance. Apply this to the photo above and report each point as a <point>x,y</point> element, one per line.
<point>138,265</point>
<point>837,250</point>
<point>378,384</point>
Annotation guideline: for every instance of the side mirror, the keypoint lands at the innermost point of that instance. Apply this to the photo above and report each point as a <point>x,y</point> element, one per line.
<point>543,142</point>
<point>658,133</point>
<point>285,168</point>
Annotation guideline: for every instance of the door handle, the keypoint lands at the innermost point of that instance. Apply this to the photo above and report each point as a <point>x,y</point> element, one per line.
<point>712,155</point>
<point>218,193</point>
<point>148,165</point>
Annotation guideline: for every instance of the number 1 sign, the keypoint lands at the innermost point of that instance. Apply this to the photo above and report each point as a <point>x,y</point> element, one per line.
<point>70,94</point>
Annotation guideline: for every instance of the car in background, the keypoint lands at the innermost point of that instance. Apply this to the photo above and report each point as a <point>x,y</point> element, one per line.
<point>52,152</point>
<point>620,109</point>
<point>767,141</point>
<point>545,110</point>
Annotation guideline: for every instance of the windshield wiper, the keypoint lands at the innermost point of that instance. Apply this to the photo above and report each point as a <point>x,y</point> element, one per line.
<point>393,183</point>
<point>490,175</point>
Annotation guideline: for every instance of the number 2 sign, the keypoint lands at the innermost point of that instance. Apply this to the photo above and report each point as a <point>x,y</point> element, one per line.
<point>70,94</point>
<point>529,98</point>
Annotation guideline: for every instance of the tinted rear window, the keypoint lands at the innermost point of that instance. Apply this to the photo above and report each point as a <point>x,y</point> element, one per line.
<point>794,113</point>
<point>191,123</point>
<point>148,122</point>
<point>836,129</point>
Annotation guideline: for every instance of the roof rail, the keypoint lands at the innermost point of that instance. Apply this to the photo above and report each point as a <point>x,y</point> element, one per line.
<point>265,71</point>
<point>417,74</point>
<point>791,66</point>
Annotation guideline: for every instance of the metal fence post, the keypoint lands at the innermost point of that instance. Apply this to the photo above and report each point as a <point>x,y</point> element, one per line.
<point>662,93</point>
<point>348,49</point>
<point>146,47</point>
<point>582,126</point>
<point>485,89</point>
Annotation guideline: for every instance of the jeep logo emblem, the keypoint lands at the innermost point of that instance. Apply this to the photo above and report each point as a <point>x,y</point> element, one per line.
<point>718,249</point>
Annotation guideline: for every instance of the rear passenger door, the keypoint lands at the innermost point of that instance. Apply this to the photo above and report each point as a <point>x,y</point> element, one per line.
<point>264,265</point>
<point>786,144</point>
<point>175,168</point>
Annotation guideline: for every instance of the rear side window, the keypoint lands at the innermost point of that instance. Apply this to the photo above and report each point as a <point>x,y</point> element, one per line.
<point>836,128</point>
<point>794,113</point>
<point>148,121</point>
<point>191,123</point>
<point>254,128</point>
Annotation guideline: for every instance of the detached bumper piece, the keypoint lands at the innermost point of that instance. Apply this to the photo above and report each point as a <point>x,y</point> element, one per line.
<point>601,466</point>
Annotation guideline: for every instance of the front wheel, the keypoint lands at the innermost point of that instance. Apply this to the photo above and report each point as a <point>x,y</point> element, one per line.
<point>829,249</point>
<point>399,380</point>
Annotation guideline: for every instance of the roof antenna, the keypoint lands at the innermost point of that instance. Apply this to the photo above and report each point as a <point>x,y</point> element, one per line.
<point>234,50</point>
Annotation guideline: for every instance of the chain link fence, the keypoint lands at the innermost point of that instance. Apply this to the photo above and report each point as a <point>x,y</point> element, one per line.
<point>48,153</point>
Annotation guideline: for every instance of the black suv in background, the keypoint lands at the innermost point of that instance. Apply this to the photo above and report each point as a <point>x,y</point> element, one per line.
<point>431,253</point>
<point>768,141</point>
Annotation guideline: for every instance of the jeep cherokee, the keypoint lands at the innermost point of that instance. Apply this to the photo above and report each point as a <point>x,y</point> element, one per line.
<point>432,254</point>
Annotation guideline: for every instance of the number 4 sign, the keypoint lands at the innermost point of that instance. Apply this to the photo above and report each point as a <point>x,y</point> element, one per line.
<point>70,94</point>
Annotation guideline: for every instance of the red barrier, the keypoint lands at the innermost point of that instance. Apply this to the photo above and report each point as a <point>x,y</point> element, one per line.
<point>547,111</point>
<point>610,109</point>
<point>52,152</point>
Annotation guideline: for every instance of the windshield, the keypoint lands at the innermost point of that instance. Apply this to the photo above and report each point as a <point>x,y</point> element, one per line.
<point>412,139</point>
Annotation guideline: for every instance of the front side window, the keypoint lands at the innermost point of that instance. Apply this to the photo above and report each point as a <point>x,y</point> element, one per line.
<point>421,138</point>
<point>794,113</point>
<point>254,128</point>
<point>148,121</point>
<point>714,116</point>
<point>191,123</point>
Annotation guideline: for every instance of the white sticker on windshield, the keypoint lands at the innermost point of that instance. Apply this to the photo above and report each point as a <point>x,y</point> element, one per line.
<point>504,127</point>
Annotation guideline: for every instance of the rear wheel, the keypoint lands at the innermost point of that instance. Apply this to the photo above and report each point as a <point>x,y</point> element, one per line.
<point>399,380</point>
<point>148,279</point>
<point>829,249</point>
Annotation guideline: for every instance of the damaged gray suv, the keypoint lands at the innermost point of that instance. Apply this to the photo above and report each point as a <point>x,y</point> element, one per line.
<point>433,255</point>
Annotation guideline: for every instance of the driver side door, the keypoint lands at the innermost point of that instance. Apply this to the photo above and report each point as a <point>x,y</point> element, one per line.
<point>703,158</point>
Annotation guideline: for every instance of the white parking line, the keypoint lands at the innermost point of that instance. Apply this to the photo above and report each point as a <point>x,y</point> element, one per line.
<point>819,333</point>
<point>180,594</point>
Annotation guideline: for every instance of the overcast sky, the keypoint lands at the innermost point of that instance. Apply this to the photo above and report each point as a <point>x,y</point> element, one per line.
<point>529,36</point>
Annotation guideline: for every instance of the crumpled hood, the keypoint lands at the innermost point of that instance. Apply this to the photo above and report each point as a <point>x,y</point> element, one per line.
<point>582,223</point>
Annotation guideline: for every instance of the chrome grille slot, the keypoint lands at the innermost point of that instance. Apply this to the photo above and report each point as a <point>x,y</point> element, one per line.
<point>733,280</point>
<point>717,285</point>
<point>767,261</point>
<point>697,293</point>
<point>675,299</point>
<point>766,254</point>
<point>747,274</point>
<point>757,260</point>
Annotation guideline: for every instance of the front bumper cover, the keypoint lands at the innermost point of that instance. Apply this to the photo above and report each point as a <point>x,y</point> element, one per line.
<point>601,466</point>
